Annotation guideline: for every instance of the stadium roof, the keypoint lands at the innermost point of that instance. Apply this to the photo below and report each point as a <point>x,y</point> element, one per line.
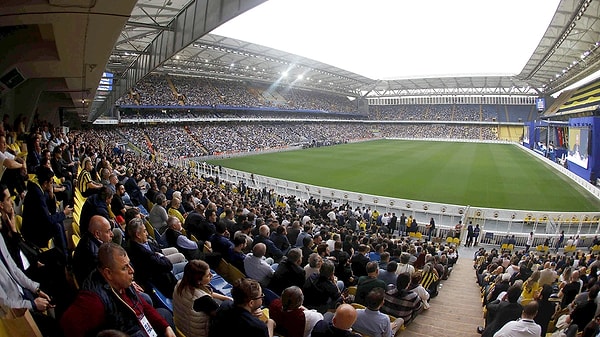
<point>573,31</point>
<point>157,37</point>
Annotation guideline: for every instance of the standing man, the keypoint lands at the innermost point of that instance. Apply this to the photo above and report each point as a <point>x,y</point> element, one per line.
<point>476,232</point>
<point>560,241</point>
<point>529,242</point>
<point>430,229</point>
<point>402,226</point>
<point>469,241</point>
<point>393,223</point>
<point>457,229</point>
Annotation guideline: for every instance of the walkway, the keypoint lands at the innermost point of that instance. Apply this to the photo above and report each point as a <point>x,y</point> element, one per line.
<point>457,310</point>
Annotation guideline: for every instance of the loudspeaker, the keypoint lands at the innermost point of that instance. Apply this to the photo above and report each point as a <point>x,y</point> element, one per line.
<point>12,78</point>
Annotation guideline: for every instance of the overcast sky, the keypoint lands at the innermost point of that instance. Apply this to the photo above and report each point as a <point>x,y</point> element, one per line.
<point>391,39</point>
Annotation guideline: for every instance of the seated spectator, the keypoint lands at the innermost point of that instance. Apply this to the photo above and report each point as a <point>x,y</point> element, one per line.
<point>279,238</point>
<point>288,273</point>
<point>96,204</point>
<point>238,256</point>
<point>314,264</point>
<point>240,317</point>
<point>359,261</point>
<point>388,275</point>
<point>220,241</point>
<point>109,294</point>
<point>415,286</point>
<point>343,270</point>
<point>19,291</point>
<point>272,251</point>
<point>430,279</point>
<point>256,266</point>
<point>531,288</point>
<point>153,267</point>
<point>340,325</point>
<point>401,302</point>
<point>525,326</point>
<point>291,318</point>
<point>190,249</point>
<point>193,223</point>
<point>546,309</point>
<point>194,302</point>
<point>158,214</point>
<point>500,312</point>
<point>173,209</point>
<point>39,223</point>
<point>584,313</point>
<point>404,266</point>
<point>87,183</point>
<point>85,257</point>
<point>368,283</point>
<point>320,290</point>
<point>371,321</point>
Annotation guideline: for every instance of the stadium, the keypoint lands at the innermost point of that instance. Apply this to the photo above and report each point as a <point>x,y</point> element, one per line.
<point>169,84</point>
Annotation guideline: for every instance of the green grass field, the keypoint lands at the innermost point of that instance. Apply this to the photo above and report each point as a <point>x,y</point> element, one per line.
<point>484,175</point>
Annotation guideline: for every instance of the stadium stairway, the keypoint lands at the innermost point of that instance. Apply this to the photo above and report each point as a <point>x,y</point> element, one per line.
<point>457,310</point>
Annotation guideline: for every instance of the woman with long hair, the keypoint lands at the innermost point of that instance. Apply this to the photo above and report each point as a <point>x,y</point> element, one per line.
<point>194,301</point>
<point>530,288</point>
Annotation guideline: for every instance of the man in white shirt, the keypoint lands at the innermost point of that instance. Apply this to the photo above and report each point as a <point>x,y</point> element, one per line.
<point>523,327</point>
<point>256,265</point>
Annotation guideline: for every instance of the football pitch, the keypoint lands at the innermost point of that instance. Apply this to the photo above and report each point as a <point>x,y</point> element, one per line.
<point>483,175</point>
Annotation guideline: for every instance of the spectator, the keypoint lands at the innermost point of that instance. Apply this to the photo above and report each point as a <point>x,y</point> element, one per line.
<point>194,301</point>
<point>240,317</point>
<point>321,291</point>
<point>256,266</point>
<point>109,294</point>
<point>292,318</point>
<point>288,273</point>
<point>340,325</point>
<point>371,321</point>
<point>368,283</point>
<point>401,302</point>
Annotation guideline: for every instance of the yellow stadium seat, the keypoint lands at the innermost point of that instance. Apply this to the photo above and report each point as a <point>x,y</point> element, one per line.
<point>150,229</point>
<point>352,290</point>
<point>449,240</point>
<point>596,249</point>
<point>18,223</point>
<point>456,241</point>
<point>76,230</point>
<point>570,249</point>
<point>358,306</point>
<point>75,239</point>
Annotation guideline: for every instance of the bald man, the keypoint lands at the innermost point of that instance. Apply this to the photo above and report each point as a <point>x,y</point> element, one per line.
<point>340,326</point>
<point>263,237</point>
<point>85,258</point>
<point>256,266</point>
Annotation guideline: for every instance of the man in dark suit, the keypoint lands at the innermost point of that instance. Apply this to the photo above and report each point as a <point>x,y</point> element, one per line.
<point>39,225</point>
<point>500,312</point>
<point>152,267</point>
<point>359,261</point>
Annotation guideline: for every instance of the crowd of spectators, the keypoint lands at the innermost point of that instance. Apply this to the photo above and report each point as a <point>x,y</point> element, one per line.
<point>156,90</point>
<point>556,291</point>
<point>445,112</point>
<point>218,138</point>
<point>351,247</point>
